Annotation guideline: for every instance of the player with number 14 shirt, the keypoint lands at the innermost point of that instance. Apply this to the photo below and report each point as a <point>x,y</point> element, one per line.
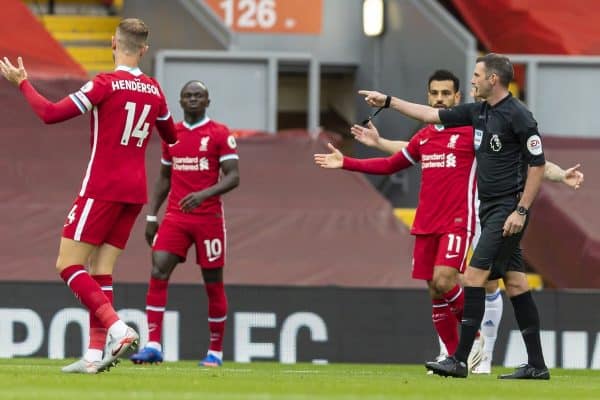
<point>124,103</point>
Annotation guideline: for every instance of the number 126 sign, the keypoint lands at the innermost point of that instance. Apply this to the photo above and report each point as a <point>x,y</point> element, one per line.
<point>270,16</point>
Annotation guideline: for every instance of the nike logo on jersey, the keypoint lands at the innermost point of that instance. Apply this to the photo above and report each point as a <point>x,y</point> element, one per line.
<point>451,255</point>
<point>422,142</point>
<point>213,258</point>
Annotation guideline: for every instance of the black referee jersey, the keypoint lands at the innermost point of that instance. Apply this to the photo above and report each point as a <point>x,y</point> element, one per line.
<point>506,142</point>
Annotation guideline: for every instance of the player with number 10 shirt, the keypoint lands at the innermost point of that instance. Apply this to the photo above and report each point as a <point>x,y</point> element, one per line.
<point>196,170</point>
<point>195,162</point>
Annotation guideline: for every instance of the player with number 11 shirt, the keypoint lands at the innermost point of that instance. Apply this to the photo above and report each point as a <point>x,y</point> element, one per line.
<point>445,219</point>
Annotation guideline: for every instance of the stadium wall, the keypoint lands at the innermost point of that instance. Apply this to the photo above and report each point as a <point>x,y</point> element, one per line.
<point>292,324</point>
<point>172,25</point>
<point>420,36</point>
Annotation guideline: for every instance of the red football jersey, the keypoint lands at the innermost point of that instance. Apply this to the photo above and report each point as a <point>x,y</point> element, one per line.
<point>448,183</point>
<point>125,105</point>
<point>195,161</point>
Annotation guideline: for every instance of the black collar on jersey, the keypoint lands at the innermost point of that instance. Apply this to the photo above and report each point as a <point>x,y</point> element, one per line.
<point>505,98</point>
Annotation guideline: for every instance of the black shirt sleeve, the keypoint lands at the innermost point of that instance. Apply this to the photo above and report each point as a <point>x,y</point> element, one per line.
<point>525,127</point>
<point>460,115</point>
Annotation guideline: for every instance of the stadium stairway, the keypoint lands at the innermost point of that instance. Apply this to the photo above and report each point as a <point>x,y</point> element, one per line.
<point>84,29</point>
<point>407,216</point>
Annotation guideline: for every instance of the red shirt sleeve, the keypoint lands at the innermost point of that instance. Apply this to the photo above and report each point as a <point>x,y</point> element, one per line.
<point>166,129</point>
<point>380,166</point>
<point>91,94</point>
<point>47,111</point>
<point>405,158</point>
<point>413,149</point>
<point>166,158</point>
<point>227,145</point>
<point>164,121</point>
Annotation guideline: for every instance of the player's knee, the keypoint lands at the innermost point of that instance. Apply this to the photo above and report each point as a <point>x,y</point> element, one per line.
<point>516,287</point>
<point>160,272</point>
<point>213,275</point>
<point>475,277</point>
<point>443,284</point>
<point>444,281</point>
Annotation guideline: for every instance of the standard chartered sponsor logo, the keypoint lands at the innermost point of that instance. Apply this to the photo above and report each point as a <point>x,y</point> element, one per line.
<point>451,161</point>
<point>203,164</point>
<point>438,160</point>
<point>190,164</point>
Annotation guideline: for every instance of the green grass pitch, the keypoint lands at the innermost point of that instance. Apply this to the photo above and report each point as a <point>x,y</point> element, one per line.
<point>27,378</point>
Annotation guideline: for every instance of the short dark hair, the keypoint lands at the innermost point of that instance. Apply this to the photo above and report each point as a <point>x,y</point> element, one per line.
<point>499,65</point>
<point>444,75</point>
<point>132,34</point>
<point>193,81</point>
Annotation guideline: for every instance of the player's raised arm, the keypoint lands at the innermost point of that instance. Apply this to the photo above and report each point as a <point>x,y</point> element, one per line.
<point>46,110</point>
<point>14,75</point>
<point>380,166</point>
<point>335,159</point>
<point>417,111</point>
<point>369,136</point>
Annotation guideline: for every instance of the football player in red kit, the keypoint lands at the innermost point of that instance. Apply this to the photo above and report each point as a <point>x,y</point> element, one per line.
<point>190,175</point>
<point>445,219</point>
<point>125,106</point>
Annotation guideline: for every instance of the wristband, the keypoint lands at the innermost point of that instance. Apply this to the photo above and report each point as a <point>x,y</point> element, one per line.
<point>151,218</point>
<point>388,101</point>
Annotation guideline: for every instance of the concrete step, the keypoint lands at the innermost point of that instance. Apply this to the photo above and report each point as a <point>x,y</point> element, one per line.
<point>90,54</point>
<point>77,24</point>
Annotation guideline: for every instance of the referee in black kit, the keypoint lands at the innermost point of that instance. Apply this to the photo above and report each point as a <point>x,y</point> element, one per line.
<point>510,169</point>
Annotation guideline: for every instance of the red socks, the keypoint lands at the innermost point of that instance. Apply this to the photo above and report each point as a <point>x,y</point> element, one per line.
<point>90,294</point>
<point>97,331</point>
<point>156,301</point>
<point>455,298</point>
<point>445,324</point>
<point>446,315</point>
<point>217,314</point>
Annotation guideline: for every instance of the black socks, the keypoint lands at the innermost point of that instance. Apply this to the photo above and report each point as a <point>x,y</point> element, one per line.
<point>472,316</point>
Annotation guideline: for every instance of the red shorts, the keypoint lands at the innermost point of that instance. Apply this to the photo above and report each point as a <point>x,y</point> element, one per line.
<point>97,222</point>
<point>177,234</point>
<point>440,249</point>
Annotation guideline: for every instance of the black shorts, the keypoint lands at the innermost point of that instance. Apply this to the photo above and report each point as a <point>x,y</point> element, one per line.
<point>494,252</point>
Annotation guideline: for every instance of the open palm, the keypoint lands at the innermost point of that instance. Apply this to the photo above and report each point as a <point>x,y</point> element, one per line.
<point>335,159</point>
<point>13,74</point>
<point>368,135</point>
